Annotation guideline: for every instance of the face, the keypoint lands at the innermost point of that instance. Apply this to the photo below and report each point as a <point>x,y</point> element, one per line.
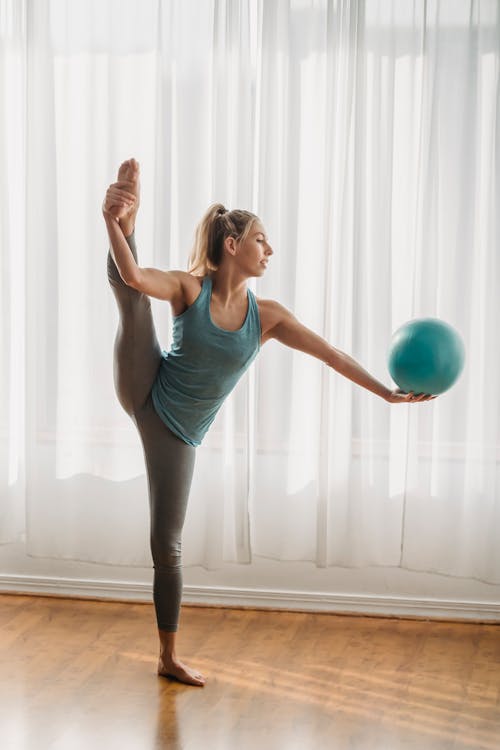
<point>253,254</point>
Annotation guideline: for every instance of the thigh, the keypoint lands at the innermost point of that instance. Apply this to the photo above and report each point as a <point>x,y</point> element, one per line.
<point>170,466</point>
<point>137,353</point>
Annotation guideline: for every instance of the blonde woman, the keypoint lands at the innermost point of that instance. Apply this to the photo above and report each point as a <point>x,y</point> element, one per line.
<point>219,326</point>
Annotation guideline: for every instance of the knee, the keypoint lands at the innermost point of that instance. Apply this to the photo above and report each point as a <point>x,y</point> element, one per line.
<point>166,555</point>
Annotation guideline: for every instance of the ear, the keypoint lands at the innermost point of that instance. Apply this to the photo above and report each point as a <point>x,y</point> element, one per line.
<point>230,245</point>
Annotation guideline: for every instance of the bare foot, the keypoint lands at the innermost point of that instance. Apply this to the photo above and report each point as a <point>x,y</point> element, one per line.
<point>128,174</point>
<point>180,671</point>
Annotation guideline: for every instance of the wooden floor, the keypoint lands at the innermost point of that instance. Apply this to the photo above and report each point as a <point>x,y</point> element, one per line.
<point>79,674</point>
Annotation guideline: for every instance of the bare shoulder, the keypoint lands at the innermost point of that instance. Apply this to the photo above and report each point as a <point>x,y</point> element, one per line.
<point>189,289</point>
<point>188,280</point>
<point>271,313</point>
<point>270,308</point>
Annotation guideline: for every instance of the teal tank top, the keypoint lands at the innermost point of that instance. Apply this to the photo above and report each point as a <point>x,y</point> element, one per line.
<point>202,367</point>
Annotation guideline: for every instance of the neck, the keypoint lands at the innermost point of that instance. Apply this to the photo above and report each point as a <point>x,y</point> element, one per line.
<point>229,285</point>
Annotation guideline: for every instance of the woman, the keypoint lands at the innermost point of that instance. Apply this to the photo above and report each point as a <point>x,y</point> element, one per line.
<point>219,327</point>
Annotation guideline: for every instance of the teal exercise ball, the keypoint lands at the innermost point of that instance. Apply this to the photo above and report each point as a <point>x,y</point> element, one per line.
<point>426,355</point>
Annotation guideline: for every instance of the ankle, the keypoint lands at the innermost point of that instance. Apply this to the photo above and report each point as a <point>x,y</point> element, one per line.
<point>167,657</point>
<point>167,644</point>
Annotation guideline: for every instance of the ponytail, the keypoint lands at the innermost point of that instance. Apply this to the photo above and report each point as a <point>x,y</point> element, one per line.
<point>216,224</point>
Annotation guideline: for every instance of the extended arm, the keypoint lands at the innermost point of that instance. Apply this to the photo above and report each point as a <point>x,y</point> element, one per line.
<point>285,327</point>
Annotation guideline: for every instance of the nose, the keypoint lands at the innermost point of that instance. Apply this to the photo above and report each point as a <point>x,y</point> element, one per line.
<point>269,250</point>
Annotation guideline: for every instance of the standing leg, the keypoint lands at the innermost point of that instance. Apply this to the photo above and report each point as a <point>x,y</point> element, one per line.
<point>170,464</point>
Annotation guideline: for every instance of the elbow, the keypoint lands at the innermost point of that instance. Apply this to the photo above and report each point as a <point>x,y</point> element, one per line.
<point>133,279</point>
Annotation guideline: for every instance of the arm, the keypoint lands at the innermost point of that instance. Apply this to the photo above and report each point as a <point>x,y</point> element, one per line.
<point>119,209</point>
<point>120,251</point>
<point>164,285</point>
<point>285,327</point>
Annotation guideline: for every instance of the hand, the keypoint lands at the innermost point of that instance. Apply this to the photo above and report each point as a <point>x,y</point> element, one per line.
<point>119,202</point>
<point>123,197</point>
<point>401,397</point>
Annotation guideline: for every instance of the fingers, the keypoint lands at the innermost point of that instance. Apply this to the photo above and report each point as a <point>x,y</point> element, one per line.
<point>116,210</point>
<point>115,197</point>
<point>116,207</point>
<point>410,397</point>
<point>420,397</point>
<point>121,193</point>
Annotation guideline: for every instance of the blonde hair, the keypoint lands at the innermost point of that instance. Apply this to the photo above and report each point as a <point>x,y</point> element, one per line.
<point>217,224</point>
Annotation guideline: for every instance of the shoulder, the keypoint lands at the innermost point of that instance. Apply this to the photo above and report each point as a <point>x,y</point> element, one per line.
<point>270,308</point>
<point>190,289</point>
<point>187,278</point>
<point>272,314</point>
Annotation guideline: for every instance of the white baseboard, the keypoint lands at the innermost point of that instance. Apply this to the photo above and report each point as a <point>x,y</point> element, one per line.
<point>272,599</point>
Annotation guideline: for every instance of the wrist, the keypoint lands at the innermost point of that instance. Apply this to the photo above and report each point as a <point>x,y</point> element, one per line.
<point>127,222</point>
<point>127,226</point>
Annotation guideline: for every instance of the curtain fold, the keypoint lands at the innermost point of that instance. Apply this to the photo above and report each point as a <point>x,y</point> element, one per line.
<point>12,239</point>
<point>366,137</point>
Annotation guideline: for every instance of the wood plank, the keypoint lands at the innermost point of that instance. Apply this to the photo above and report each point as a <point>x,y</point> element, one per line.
<point>80,673</point>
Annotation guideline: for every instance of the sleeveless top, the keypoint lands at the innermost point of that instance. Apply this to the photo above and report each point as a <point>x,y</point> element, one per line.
<point>202,367</point>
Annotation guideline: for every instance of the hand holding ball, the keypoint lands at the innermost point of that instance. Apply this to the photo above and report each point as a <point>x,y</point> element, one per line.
<point>426,355</point>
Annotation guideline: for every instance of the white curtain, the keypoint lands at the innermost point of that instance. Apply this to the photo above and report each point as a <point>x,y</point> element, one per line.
<point>366,137</point>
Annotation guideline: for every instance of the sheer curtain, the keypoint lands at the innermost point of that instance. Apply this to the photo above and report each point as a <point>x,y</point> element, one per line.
<point>366,137</point>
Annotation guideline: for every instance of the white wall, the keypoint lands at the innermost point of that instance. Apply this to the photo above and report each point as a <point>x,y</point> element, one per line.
<point>263,583</point>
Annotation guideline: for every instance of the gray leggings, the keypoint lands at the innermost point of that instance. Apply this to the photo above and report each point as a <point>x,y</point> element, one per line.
<point>169,460</point>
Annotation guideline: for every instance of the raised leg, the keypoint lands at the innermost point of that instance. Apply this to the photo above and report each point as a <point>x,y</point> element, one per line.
<point>137,353</point>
